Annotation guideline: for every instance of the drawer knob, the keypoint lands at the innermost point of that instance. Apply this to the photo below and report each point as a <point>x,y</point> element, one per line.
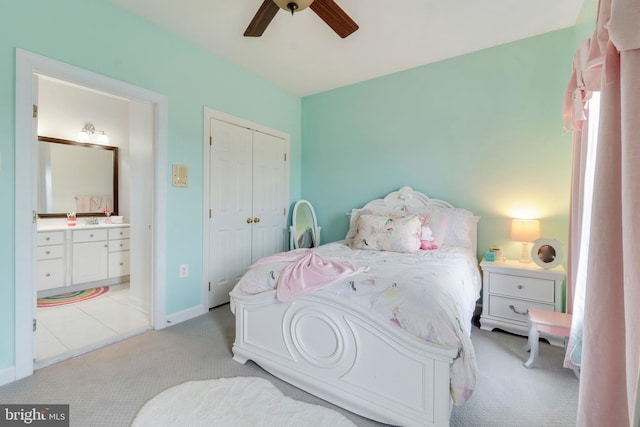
<point>518,312</point>
<point>121,245</point>
<point>122,263</point>
<point>90,235</point>
<point>48,252</point>
<point>47,238</point>
<point>48,274</point>
<point>520,287</point>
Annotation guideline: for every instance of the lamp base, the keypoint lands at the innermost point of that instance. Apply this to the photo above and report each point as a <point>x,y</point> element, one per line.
<point>525,256</point>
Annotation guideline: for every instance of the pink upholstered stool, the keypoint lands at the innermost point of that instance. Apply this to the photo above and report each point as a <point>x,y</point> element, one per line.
<point>551,322</point>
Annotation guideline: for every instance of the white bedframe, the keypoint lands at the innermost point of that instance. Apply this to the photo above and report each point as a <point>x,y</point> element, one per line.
<point>346,355</point>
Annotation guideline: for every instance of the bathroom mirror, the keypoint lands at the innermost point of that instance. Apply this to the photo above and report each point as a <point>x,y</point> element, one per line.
<point>76,177</point>
<point>305,232</point>
<point>547,253</point>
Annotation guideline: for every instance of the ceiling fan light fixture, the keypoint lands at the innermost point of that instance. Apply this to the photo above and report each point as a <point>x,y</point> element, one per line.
<point>293,6</point>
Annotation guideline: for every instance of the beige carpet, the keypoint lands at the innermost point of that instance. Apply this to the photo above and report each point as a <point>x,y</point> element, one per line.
<point>107,387</point>
<point>238,402</point>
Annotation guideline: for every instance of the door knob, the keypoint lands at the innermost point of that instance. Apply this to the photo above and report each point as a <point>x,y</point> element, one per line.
<point>249,220</point>
<point>256,219</point>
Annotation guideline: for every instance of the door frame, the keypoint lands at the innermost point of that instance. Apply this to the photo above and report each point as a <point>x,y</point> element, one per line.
<point>28,64</point>
<point>209,114</point>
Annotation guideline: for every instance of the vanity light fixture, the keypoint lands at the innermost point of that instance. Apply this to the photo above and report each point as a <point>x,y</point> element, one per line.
<point>525,231</point>
<point>90,129</point>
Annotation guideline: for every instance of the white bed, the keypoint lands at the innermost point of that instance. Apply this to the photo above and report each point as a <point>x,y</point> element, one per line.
<point>341,343</point>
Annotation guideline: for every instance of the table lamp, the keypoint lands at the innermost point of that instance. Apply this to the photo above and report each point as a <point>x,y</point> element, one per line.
<point>525,231</point>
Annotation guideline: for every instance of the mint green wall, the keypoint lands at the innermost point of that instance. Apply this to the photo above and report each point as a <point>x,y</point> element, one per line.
<point>586,22</point>
<point>98,36</point>
<point>483,131</point>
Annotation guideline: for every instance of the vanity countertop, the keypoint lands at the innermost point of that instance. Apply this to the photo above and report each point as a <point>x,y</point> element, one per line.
<point>79,225</point>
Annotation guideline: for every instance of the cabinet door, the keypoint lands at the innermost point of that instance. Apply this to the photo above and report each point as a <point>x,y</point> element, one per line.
<point>90,262</point>
<point>118,264</point>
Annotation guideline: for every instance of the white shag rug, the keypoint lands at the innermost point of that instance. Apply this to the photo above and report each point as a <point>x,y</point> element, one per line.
<point>238,401</point>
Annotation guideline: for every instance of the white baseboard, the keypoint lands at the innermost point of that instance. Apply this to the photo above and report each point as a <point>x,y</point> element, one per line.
<point>187,314</point>
<point>7,375</point>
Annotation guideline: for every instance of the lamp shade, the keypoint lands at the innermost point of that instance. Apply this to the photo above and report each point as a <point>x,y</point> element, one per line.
<point>525,230</point>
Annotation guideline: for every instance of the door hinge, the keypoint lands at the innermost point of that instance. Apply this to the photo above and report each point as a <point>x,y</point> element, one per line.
<point>210,140</point>
<point>35,325</point>
<point>209,286</point>
<point>285,157</point>
<point>35,111</point>
<point>209,213</point>
<point>284,211</point>
<point>34,217</point>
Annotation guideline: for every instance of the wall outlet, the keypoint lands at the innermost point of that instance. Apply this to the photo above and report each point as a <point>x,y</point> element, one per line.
<point>184,270</point>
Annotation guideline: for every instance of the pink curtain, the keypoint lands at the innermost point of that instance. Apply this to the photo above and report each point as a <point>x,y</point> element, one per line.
<point>611,336</point>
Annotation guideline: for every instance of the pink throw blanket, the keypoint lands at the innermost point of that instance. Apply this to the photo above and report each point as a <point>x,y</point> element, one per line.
<point>307,272</point>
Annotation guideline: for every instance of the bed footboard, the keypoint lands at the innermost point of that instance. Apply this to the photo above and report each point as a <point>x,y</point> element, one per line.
<point>346,356</point>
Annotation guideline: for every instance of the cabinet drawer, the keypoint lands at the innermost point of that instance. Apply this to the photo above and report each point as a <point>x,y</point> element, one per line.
<point>50,238</point>
<point>50,274</point>
<point>118,233</point>
<point>91,235</point>
<point>513,308</point>
<point>50,252</point>
<point>118,245</point>
<point>119,264</point>
<point>523,287</point>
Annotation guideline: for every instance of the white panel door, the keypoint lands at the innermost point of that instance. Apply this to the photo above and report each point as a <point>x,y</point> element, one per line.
<point>269,195</point>
<point>230,187</point>
<point>248,197</point>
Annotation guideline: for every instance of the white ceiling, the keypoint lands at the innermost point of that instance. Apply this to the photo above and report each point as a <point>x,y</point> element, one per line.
<point>303,55</point>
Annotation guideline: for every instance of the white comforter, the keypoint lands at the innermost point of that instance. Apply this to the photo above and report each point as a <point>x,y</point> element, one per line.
<point>431,294</point>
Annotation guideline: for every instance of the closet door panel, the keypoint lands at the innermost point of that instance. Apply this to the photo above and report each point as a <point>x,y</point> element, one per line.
<point>230,196</point>
<point>269,195</point>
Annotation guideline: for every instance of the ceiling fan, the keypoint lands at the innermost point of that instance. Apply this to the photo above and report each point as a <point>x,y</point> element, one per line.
<point>327,10</point>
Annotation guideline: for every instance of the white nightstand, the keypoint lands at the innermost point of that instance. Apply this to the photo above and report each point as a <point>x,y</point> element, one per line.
<point>510,288</point>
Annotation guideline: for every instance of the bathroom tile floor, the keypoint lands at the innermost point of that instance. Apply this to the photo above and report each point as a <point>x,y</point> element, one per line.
<point>72,329</point>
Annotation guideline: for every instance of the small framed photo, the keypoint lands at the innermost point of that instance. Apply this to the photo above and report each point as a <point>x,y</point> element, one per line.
<point>547,253</point>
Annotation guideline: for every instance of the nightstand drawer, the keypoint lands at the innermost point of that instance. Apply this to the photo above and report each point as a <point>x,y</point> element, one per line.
<point>523,287</point>
<point>514,309</point>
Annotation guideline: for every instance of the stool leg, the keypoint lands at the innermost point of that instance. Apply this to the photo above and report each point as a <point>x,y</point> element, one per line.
<point>534,340</point>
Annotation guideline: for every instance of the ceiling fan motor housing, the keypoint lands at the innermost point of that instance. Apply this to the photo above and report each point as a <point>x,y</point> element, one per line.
<point>293,6</point>
<point>327,10</point>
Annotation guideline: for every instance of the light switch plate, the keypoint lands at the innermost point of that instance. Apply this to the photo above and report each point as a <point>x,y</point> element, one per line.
<point>180,176</point>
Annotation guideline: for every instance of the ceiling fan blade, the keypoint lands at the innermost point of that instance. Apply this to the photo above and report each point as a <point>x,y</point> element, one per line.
<point>334,16</point>
<point>261,20</point>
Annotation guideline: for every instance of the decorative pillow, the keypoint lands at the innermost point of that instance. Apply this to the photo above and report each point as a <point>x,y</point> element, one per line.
<point>451,225</point>
<point>428,240</point>
<point>388,233</point>
<point>353,223</point>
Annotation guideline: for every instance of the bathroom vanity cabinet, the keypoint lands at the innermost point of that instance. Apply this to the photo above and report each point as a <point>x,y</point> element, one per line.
<point>71,259</point>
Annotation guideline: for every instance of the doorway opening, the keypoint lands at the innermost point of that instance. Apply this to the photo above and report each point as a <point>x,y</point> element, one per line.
<point>147,131</point>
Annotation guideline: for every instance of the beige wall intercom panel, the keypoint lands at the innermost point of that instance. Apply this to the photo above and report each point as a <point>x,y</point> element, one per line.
<point>180,176</point>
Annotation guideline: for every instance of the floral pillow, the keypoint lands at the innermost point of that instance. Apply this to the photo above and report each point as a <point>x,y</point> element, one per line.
<point>388,233</point>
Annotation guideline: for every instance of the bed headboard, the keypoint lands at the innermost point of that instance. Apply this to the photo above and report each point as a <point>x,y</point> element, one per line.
<point>406,199</point>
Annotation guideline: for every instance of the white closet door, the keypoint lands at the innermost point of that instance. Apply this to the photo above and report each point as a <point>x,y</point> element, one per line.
<point>230,186</point>
<point>269,195</point>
